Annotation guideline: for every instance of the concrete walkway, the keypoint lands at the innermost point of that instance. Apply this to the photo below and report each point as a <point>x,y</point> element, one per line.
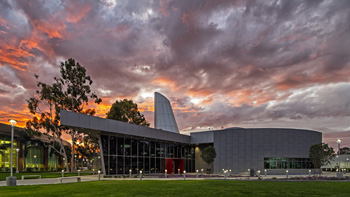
<point>95,178</point>
<point>53,180</point>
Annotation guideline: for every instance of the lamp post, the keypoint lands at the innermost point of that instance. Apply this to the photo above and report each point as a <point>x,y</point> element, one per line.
<point>17,150</point>
<point>64,163</point>
<point>35,163</point>
<point>347,163</point>
<point>99,157</point>
<point>339,174</point>
<point>75,156</point>
<point>11,181</point>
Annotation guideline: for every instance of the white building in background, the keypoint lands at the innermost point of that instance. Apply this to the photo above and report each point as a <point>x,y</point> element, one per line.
<point>343,160</point>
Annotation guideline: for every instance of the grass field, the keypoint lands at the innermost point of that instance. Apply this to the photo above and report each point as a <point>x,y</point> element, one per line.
<point>182,188</point>
<point>43,175</point>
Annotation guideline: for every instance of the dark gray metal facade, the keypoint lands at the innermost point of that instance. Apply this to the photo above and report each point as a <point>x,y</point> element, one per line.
<point>241,149</point>
<point>92,124</point>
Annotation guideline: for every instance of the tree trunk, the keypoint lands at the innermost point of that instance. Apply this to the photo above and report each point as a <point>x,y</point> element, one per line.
<point>64,154</point>
<point>314,169</point>
<point>24,157</point>
<point>319,172</point>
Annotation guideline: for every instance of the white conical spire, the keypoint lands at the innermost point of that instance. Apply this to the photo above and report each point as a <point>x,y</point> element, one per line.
<point>163,114</point>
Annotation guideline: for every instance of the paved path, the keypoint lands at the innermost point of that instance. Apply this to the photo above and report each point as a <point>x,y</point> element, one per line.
<point>95,178</point>
<point>52,180</point>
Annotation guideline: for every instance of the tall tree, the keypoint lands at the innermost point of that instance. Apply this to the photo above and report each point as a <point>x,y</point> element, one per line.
<point>127,111</point>
<point>320,155</point>
<point>71,91</point>
<point>208,154</point>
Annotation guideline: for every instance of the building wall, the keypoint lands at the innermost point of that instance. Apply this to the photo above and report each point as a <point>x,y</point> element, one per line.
<point>241,149</point>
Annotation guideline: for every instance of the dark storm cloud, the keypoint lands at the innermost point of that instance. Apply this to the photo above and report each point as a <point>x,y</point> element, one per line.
<point>308,104</point>
<point>245,60</point>
<point>276,35</point>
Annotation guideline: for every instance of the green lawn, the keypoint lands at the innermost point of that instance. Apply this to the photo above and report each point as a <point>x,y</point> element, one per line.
<point>43,175</point>
<point>182,188</point>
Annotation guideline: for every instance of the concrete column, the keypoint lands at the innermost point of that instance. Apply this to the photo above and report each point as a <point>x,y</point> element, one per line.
<point>101,154</point>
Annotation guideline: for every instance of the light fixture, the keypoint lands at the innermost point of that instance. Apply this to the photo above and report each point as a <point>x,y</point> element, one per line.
<point>13,122</point>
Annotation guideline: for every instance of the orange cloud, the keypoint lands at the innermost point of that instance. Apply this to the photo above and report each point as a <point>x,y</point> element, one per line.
<point>165,82</point>
<point>3,22</point>
<point>11,54</point>
<point>53,29</point>
<point>21,114</point>
<point>164,7</point>
<point>76,12</point>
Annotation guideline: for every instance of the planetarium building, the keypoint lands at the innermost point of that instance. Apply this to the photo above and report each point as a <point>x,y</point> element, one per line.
<point>126,147</point>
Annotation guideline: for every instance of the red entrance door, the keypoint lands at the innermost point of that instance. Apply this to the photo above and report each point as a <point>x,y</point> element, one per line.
<point>173,166</point>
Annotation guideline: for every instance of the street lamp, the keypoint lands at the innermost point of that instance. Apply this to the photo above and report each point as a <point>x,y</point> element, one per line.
<point>35,163</point>
<point>339,141</point>
<point>99,162</point>
<point>17,150</point>
<point>75,162</point>
<point>64,162</point>
<point>11,181</point>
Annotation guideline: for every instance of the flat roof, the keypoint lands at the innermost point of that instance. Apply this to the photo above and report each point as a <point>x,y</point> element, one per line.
<point>92,124</point>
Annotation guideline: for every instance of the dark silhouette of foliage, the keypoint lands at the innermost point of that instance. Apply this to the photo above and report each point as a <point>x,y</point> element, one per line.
<point>320,155</point>
<point>127,111</point>
<point>208,155</point>
<point>71,91</point>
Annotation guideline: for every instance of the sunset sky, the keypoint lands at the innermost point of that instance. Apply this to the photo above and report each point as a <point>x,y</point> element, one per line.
<point>221,63</point>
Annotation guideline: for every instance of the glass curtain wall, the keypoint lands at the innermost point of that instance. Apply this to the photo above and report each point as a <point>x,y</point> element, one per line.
<point>35,158</point>
<point>5,155</point>
<point>123,154</point>
<point>287,163</point>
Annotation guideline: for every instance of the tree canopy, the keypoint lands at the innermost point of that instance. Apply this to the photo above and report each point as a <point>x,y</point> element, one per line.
<point>208,154</point>
<point>321,154</point>
<point>127,111</point>
<point>71,91</point>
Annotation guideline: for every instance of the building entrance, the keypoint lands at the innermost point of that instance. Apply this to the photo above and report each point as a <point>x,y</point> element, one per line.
<point>174,165</point>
